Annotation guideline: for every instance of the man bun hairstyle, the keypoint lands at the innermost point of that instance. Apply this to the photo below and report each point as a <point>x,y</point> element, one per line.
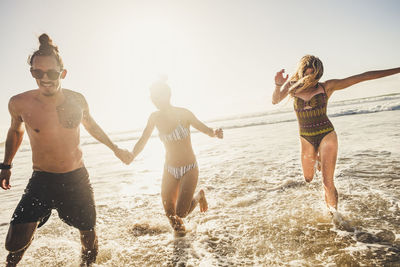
<point>46,48</point>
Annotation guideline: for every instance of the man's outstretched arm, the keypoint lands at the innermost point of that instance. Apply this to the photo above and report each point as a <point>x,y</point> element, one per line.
<point>95,130</point>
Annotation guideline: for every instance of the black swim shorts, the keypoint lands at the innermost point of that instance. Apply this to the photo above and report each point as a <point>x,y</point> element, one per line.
<point>70,193</point>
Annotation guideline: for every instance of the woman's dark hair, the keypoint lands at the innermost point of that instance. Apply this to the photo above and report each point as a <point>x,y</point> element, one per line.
<point>46,48</point>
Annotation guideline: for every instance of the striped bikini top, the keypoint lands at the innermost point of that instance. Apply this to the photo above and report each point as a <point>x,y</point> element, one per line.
<point>311,114</point>
<point>179,133</point>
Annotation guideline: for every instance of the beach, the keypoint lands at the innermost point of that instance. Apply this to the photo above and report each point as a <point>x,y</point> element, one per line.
<point>261,212</point>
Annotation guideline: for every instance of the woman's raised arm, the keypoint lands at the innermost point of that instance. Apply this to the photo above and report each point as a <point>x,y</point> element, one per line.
<point>280,80</point>
<point>338,84</point>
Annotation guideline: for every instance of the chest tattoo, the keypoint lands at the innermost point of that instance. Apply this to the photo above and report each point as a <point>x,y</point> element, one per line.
<point>69,113</point>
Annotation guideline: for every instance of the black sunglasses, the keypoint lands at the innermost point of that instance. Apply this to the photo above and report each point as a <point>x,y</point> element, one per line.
<point>51,74</point>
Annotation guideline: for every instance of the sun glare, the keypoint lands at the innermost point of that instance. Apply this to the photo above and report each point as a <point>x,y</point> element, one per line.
<point>149,49</point>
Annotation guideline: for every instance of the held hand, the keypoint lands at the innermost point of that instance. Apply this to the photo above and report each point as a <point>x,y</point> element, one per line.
<point>124,155</point>
<point>280,79</point>
<point>219,133</point>
<point>5,179</point>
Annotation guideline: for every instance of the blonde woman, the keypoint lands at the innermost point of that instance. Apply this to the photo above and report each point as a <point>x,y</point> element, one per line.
<point>180,170</point>
<point>317,135</point>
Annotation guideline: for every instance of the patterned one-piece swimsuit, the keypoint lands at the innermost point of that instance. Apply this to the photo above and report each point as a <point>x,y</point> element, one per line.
<point>314,124</point>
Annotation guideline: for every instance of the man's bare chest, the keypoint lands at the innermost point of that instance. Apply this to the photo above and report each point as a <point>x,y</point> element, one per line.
<point>43,118</point>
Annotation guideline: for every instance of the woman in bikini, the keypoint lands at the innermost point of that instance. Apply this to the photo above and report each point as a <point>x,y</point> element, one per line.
<point>317,135</point>
<point>180,170</point>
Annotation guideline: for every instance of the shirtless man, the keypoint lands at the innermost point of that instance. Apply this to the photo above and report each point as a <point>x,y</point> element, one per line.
<point>52,117</point>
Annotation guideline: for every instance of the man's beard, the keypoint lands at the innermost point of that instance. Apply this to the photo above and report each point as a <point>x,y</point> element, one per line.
<point>49,93</point>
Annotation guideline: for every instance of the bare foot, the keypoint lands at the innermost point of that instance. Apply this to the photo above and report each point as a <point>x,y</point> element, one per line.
<point>88,257</point>
<point>180,232</point>
<point>203,201</point>
<point>178,226</point>
<point>339,221</point>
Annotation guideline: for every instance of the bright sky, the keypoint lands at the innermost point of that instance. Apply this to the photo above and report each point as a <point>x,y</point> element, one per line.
<point>220,56</point>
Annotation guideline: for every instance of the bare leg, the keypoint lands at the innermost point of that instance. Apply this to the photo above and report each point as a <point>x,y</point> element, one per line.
<point>328,151</point>
<point>89,247</point>
<point>186,203</point>
<point>18,239</point>
<point>308,159</point>
<point>201,199</point>
<point>169,194</point>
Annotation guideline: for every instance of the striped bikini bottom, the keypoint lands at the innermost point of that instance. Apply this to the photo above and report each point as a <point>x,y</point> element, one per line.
<point>179,172</point>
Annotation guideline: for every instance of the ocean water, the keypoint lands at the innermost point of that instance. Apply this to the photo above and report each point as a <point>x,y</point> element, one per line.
<point>261,212</point>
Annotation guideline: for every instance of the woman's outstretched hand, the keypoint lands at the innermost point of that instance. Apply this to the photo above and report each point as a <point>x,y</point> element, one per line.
<point>124,155</point>
<point>219,133</point>
<point>280,79</point>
